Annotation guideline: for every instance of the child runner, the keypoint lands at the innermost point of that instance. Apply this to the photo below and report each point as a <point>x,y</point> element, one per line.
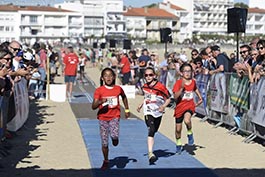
<point>185,107</point>
<point>106,99</point>
<point>156,99</point>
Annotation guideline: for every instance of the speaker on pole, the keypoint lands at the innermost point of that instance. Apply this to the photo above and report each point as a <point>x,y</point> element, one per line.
<point>112,43</point>
<point>126,44</point>
<point>236,20</point>
<point>95,45</point>
<point>165,35</point>
<point>103,45</point>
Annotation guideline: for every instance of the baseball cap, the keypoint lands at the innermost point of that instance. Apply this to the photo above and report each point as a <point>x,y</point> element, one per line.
<point>215,48</point>
<point>19,53</point>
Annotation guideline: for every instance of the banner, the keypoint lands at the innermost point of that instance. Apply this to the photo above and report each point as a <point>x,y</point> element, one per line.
<point>239,91</point>
<point>202,83</point>
<point>21,105</point>
<point>218,93</point>
<point>257,102</point>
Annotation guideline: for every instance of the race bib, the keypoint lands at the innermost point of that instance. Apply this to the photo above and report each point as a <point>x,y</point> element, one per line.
<point>153,97</point>
<point>188,95</point>
<point>112,102</point>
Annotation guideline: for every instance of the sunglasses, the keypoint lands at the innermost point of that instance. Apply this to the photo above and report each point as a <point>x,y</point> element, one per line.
<point>15,49</point>
<point>2,65</point>
<point>243,51</point>
<point>260,48</point>
<point>146,75</point>
<point>7,58</point>
<point>194,54</point>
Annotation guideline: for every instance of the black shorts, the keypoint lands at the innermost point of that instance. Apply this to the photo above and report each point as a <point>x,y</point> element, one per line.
<point>180,119</point>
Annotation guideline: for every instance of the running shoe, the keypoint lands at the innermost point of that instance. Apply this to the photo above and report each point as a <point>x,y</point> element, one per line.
<point>190,139</point>
<point>115,142</point>
<point>178,149</point>
<point>151,157</point>
<point>105,165</point>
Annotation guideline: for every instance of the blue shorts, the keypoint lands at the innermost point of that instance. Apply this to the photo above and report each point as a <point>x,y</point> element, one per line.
<point>69,79</point>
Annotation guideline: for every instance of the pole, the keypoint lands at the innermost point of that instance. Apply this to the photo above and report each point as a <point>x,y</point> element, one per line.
<point>237,45</point>
<point>48,79</point>
<point>165,55</point>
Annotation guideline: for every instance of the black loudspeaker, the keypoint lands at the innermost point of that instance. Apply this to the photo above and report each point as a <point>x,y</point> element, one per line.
<point>165,35</point>
<point>126,44</point>
<point>95,45</point>
<point>103,45</point>
<point>112,43</point>
<point>236,20</point>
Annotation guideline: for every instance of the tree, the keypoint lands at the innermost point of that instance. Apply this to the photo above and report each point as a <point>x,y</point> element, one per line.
<point>241,5</point>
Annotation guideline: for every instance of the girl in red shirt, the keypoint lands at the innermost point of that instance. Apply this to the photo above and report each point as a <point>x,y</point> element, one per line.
<point>106,99</point>
<point>183,90</point>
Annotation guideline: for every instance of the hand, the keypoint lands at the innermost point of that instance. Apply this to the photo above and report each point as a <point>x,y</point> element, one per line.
<point>139,108</point>
<point>161,109</point>
<point>199,102</point>
<point>127,114</point>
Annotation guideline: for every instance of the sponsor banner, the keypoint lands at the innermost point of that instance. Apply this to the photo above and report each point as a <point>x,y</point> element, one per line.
<point>257,102</point>
<point>218,93</point>
<point>21,105</point>
<point>202,83</point>
<point>239,91</point>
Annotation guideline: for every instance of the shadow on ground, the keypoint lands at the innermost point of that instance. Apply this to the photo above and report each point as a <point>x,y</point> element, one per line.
<point>14,150</point>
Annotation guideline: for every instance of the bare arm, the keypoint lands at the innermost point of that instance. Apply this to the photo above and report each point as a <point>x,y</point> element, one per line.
<point>126,106</point>
<point>200,97</point>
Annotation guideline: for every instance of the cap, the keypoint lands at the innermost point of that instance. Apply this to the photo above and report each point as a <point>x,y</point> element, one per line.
<point>27,56</point>
<point>215,48</point>
<point>19,53</point>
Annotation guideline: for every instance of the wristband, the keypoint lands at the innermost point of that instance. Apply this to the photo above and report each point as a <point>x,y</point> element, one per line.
<point>127,110</point>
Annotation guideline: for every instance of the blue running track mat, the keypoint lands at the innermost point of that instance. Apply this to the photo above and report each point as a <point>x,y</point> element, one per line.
<point>130,159</point>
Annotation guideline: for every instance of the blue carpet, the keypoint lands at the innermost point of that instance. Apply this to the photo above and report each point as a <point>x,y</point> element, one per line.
<point>129,158</point>
<point>81,97</point>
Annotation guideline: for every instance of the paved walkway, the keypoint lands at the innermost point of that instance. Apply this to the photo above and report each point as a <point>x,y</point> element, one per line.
<point>51,144</point>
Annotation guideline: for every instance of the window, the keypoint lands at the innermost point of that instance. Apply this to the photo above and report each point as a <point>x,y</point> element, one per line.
<point>33,19</point>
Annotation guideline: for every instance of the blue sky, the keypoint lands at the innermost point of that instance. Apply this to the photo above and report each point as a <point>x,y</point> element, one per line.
<point>140,3</point>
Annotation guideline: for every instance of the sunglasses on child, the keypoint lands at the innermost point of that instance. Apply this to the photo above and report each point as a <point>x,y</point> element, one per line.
<point>260,48</point>
<point>151,75</point>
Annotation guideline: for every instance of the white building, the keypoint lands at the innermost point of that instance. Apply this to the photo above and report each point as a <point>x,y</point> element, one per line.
<point>102,18</point>
<point>207,16</point>
<point>255,21</point>
<point>145,23</point>
<point>185,20</point>
<point>24,23</point>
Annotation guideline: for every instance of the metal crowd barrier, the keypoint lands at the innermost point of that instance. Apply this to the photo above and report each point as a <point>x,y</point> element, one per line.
<point>226,101</point>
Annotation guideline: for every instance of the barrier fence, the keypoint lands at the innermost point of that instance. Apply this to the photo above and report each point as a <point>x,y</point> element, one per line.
<point>14,108</point>
<point>233,101</point>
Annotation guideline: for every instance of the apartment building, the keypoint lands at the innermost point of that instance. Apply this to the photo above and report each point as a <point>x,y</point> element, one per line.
<point>255,21</point>
<point>185,20</point>
<point>207,16</point>
<point>145,23</point>
<point>25,23</point>
<point>102,18</point>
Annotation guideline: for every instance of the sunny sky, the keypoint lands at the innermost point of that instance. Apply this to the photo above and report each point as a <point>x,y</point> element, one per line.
<point>140,3</point>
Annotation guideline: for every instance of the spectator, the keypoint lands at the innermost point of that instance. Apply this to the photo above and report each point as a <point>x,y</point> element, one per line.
<point>70,62</point>
<point>125,68</point>
<point>222,64</point>
<point>240,66</point>
<point>143,60</point>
